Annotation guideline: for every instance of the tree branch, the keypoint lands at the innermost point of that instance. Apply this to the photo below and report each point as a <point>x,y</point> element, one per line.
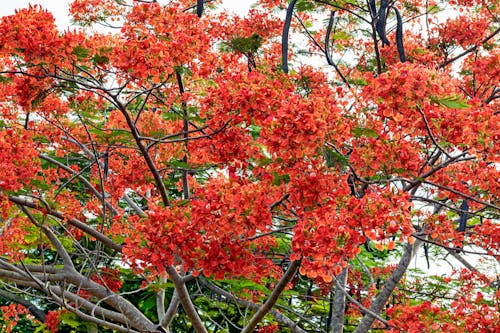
<point>81,178</point>
<point>169,315</point>
<point>339,302</point>
<point>378,303</point>
<point>469,50</point>
<point>74,222</point>
<point>267,306</point>
<point>462,260</point>
<point>32,308</point>
<point>360,306</point>
<point>281,318</point>
<point>52,238</point>
<point>185,300</point>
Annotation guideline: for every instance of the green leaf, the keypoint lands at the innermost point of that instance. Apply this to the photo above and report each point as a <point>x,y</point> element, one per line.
<point>241,284</point>
<point>4,79</point>
<point>148,304</point>
<point>450,102</point>
<point>98,59</point>
<point>40,98</point>
<point>254,131</point>
<point>364,132</point>
<point>341,35</point>
<point>333,159</point>
<point>304,6</point>
<point>434,9</point>
<point>70,319</point>
<point>246,45</point>
<point>81,53</point>
<point>182,70</point>
<point>358,82</point>
<point>280,179</point>
<point>178,164</point>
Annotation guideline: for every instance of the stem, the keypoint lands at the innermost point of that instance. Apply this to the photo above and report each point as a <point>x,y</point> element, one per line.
<point>469,50</point>
<point>74,222</point>
<point>462,260</point>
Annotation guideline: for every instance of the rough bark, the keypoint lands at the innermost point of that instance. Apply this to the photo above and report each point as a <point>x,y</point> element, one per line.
<point>267,306</point>
<point>378,303</point>
<point>339,303</point>
<point>185,300</point>
<point>280,318</point>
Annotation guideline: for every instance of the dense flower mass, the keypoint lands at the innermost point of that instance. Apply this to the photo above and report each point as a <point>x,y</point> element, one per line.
<point>273,172</point>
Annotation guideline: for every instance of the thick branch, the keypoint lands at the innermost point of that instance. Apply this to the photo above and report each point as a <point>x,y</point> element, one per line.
<point>62,296</point>
<point>378,303</point>
<point>281,318</point>
<point>39,314</point>
<point>74,222</point>
<point>185,300</point>
<point>268,305</point>
<point>169,315</point>
<point>339,303</point>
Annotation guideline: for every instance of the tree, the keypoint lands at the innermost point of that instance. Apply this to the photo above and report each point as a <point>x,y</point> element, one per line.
<point>184,172</point>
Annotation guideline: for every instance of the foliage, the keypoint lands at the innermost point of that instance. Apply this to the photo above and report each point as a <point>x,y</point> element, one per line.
<point>188,172</point>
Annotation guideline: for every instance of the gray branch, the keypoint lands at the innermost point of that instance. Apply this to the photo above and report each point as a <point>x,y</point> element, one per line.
<point>36,312</point>
<point>339,303</point>
<point>171,311</point>
<point>268,305</point>
<point>280,318</point>
<point>378,303</point>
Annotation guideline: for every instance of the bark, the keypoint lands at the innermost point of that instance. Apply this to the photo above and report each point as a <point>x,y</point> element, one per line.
<point>94,312</point>
<point>378,303</point>
<point>169,315</point>
<point>267,306</point>
<point>339,303</point>
<point>136,317</point>
<point>280,318</point>
<point>185,300</point>
<point>36,312</point>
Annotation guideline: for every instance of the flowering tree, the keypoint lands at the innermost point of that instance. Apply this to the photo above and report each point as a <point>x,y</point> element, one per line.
<point>186,172</point>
